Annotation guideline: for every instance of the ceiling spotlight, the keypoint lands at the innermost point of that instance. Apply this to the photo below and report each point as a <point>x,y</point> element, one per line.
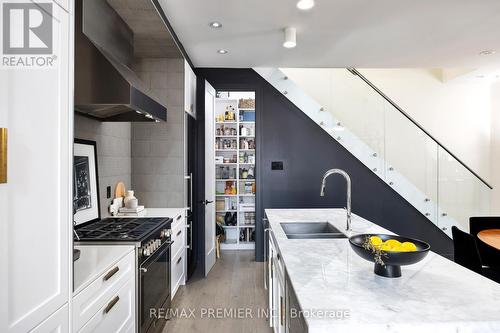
<point>487,52</point>
<point>215,25</point>
<point>305,4</point>
<point>290,38</point>
<point>221,51</point>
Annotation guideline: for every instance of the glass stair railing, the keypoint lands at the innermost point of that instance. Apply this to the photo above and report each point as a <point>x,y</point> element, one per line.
<point>386,140</point>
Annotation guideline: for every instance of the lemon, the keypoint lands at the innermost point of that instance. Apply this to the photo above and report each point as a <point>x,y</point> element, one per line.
<point>392,243</point>
<point>400,249</point>
<point>386,247</point>
<point>409,246</point>
<point>376,241</point>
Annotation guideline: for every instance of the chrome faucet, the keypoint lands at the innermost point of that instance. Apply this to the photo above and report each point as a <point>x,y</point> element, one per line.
<point>348,181</point>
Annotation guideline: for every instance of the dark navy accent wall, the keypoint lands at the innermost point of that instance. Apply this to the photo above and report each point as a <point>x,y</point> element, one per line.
<point>285,134</point>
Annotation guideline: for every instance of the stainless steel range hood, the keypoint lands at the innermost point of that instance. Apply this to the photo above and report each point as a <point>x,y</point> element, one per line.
<point>105,86</point>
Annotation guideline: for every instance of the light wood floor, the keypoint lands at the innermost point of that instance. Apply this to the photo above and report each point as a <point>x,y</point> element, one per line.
<point>235,282</point>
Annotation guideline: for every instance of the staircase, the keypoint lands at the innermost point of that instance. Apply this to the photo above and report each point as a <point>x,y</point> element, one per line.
<point>388,141</point>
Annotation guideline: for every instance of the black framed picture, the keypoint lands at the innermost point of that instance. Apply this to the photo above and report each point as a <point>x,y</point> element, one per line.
<point>85,182</point>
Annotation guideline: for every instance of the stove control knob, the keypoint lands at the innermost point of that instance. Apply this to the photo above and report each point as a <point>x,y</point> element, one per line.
<point>145,252</point>
<point>168,232</point>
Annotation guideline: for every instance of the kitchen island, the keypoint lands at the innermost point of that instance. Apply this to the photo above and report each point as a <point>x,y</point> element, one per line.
<point>337,291</point>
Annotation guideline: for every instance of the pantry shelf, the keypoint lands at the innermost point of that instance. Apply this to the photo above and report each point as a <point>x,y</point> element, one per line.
<point>238,175</point>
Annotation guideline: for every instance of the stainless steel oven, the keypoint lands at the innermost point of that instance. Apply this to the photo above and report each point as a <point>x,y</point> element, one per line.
<point>154,289</point>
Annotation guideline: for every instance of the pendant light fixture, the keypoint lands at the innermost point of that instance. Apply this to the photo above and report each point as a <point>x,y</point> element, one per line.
<point>290,38</point>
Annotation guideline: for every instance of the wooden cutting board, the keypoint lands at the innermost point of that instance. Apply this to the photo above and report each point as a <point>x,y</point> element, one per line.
<point>120,190</point>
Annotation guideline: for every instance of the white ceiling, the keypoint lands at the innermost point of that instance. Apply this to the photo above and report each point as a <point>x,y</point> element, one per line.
<point>339,33</point>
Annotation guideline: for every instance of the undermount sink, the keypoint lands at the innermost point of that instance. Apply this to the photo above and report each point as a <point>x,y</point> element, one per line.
<point>311,230</point>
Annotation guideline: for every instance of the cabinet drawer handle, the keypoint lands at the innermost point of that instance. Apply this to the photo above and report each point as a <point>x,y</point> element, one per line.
<point>179,217</point>
<point>179,232</point>
<point>179,260</point>
<point>111,273</point>
<point>111,304</point>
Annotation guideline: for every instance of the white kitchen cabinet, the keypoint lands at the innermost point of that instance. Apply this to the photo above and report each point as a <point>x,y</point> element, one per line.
<point>178,254</point>
<point>117,315</point>
<point>276,288</point>
<point>101,287</point>
<point>280,297</point>
<point>36,207</point>
<point>56,323</point>
<point>189,90</point>
<point>178,272</point>
<point>268,277</point>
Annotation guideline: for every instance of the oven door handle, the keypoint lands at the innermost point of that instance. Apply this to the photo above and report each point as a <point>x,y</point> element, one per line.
<point>149,261</point>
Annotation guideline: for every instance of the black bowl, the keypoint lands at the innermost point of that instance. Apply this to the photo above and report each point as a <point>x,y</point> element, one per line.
<point>392,260</point>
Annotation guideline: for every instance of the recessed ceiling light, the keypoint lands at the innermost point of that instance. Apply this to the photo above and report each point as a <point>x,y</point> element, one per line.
<point>290,38</point>
<point>221,51</point>
<point>305,4</point>
<point>215,25</point>
<point>487,52</point>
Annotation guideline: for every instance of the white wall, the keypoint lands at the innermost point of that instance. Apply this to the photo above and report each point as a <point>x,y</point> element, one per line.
<point>457,113</point>
<point>495,147</point>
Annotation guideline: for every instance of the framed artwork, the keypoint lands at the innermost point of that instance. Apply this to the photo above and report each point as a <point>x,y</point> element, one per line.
<point>85,182</point>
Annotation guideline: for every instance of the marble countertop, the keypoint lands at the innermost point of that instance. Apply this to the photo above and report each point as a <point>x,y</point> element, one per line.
<point>434,295</point>
<point>95,260</point>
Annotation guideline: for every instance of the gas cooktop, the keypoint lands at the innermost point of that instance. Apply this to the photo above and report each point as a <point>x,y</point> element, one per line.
<point>120,229</point>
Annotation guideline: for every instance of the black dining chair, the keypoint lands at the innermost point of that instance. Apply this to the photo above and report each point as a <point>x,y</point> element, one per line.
<point>467,254</point>
<point>489,255</point>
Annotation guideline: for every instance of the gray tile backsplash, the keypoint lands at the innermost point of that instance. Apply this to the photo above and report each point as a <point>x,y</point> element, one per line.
<point>158,148</point>
<point>114,154</point>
